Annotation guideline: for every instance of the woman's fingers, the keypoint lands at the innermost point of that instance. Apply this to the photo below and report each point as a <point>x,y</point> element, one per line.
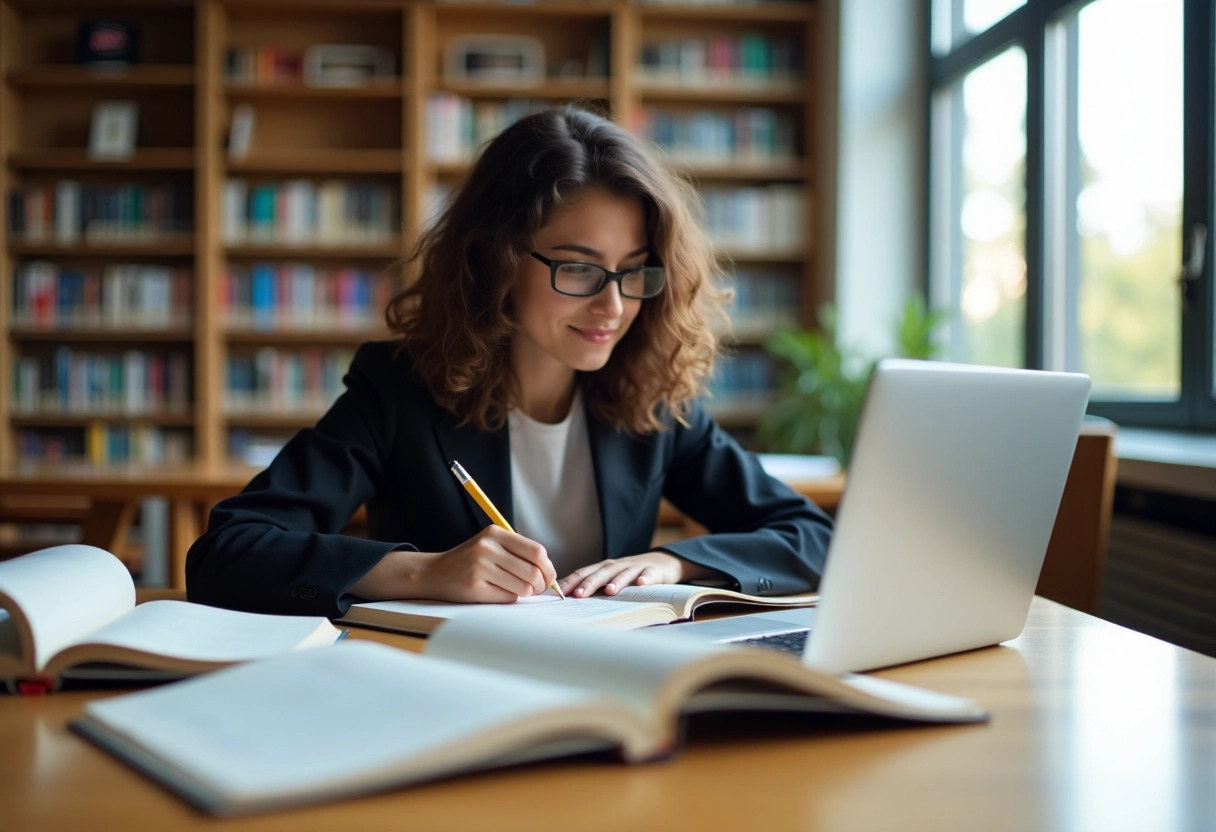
<point>613,575</point>
<point>495,566</point>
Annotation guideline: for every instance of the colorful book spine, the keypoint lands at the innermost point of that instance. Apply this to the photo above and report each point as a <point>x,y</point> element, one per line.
<point>747,59</point>
<point>65,381</point>
<point>291,296</point>
<point>294,382</point>
<point>106,443</point>
<point>70,212</point>
<point>769,219</point>
<point>301,212</point>
<point>148,296</point>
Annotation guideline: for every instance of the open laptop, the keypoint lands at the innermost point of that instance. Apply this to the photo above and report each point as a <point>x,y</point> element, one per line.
<point>954,483</point>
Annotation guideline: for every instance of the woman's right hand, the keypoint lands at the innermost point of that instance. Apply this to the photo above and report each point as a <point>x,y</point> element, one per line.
<point>494,566</point>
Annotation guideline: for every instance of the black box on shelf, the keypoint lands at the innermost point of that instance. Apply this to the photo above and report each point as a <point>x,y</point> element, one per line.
<point>107,42</point>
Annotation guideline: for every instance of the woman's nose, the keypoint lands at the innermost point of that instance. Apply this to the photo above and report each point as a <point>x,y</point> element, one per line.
<point>608,301</point>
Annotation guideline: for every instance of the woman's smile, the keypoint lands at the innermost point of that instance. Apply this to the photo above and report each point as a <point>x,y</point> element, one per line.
<point>596,336</point>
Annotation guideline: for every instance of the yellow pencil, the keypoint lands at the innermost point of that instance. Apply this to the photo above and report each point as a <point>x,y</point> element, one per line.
<point>471,486</point>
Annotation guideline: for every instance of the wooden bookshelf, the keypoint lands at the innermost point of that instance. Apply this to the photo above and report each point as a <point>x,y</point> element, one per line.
<point>108,78</point>
<point>370,144</point>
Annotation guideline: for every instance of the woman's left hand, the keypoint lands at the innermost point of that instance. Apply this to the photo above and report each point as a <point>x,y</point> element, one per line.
<point>616,573</point>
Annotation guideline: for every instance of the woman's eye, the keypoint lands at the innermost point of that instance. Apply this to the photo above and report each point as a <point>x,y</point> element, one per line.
<point>577,269</point>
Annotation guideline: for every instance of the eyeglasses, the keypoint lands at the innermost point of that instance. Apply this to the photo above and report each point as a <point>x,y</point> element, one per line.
<point>573,277</point>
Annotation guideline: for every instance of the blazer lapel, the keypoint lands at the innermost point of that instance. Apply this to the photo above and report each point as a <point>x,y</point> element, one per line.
<point>487,458</point>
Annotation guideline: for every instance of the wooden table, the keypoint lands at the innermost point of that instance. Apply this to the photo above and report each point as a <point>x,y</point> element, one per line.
<point>113,495</point>
<point>1095,728</point>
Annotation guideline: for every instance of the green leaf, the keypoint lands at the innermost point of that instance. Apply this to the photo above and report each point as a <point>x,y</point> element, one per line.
<point>821,384</point>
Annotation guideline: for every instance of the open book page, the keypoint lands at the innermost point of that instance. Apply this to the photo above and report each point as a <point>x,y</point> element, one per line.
<point>666,674</point>
<point>798,467</point>
<point>350,718</point>
<point>423,616</point>
<point>182,636</point>
<point>621,665</point>
<point>63,593</point>
<point>683,598</point>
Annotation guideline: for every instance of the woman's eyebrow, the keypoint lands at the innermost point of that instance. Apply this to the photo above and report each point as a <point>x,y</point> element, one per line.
<point>590,252</point>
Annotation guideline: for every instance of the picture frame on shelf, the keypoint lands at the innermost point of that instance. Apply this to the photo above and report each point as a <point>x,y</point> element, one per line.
<point>240,133</point>
<point>112,130</point>
<point>495,59</point>
<point>346,65</point>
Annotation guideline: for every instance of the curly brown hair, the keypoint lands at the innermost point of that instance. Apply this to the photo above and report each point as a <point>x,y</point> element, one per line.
<point>455,318</point>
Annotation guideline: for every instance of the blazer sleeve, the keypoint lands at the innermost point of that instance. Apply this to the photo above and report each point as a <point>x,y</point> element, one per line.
<point>767,537</point>
<point>276,547</point>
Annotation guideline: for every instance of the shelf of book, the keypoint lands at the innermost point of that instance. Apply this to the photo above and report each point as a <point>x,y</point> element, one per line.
<point>724,92</point>
<point>161,418</point>
<point>377,251</point>
<point>227,92</point>
<point>151,158</point>
<point>104,77</point>
<point>319,337</point>
<point>73,334</point>
<point>390,89</point>
<point>273,421</point>
<point>174,245</point>
<point>319,162</point>
<point>761,11</point>
<point>558,89</point>
<point>745,172</point>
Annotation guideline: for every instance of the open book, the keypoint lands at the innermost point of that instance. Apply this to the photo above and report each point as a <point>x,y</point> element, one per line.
<point>69,612</point>
<point>493,689</point>
<point>632,607</point>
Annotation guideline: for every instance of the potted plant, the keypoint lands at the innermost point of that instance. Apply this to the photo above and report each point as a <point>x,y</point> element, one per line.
<point>822,384</point>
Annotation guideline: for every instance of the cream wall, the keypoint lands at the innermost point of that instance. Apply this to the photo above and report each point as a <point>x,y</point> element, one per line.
<point>872,199</point>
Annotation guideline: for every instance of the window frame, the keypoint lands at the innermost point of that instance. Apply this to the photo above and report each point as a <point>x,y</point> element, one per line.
<point>1031,27</point>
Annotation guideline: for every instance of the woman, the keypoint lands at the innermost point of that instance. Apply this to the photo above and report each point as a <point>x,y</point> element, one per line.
<point>553,340</point>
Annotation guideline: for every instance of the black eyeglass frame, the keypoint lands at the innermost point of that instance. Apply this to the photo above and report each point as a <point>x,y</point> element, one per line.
<point>609,277</point>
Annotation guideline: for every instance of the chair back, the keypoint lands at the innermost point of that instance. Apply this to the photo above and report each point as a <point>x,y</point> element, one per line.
<point>1076,553</point>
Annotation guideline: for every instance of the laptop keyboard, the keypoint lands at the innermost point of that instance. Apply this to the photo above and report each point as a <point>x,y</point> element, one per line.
<point>792,642</point>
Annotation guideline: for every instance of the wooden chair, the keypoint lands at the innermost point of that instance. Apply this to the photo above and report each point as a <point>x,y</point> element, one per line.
<point>1076,554</point>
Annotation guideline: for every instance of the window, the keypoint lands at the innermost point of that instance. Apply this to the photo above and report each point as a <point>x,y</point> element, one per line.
<point>963,18</point>
<point>983,114</point>
<point>1071,182</point>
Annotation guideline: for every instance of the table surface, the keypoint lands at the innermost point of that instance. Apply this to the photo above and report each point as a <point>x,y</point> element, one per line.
<point>1094,727</point>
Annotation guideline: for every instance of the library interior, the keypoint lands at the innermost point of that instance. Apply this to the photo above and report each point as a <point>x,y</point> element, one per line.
<point>206,207</point>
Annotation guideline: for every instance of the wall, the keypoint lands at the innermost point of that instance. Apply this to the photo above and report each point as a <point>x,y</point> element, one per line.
<point>875,205</point>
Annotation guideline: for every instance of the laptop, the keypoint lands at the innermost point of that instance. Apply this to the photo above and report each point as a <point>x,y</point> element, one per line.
<point>953,487</point>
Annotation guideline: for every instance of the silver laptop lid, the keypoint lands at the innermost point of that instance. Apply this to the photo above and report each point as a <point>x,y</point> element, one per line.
<point>952,492</point>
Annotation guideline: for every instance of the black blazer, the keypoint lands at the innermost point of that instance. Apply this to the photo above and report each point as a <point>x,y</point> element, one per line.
<point>276,546</point>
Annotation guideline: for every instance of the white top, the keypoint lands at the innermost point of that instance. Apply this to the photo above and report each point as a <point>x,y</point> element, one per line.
<point>553,487</point>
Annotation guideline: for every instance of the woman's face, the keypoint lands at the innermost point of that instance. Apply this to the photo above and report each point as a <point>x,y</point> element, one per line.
<point>560,334</point>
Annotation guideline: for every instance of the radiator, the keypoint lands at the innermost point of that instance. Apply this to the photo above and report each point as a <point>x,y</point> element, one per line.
<point>1161,580</point>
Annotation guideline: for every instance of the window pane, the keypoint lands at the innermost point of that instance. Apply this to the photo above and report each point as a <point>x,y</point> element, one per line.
<point>955,21</point>
<point>978,15</point>
<point>1129,203</point>
<point>979,260</point>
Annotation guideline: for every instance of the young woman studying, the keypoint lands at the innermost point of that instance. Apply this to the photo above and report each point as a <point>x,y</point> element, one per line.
<point>554,336</point>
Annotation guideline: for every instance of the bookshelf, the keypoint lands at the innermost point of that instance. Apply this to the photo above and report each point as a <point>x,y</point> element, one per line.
<point>194,300</point>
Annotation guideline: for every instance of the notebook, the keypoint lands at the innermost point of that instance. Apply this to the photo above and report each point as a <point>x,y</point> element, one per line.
<point>952,492</point>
